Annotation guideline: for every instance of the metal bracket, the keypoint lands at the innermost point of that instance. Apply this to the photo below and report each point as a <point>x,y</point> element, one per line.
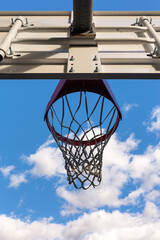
<point>22,19</point>
<point>139,22</point>
<point>90,33</point>
<point>83,59</point>
<point>154,54</point>
<point>25,22</point>
<point>141,19</point>
<point>136,23</point>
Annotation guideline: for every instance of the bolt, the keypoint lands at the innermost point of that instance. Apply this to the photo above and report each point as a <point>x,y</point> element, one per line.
<point>92,29</point>
<point>96,70</point>
<point>12,21</point>
<point>72,58</point>
<point>10,51</point>
<point>71,70</point>
<point>137,21</point>
<point>155,50</point>
<point>26,21</point>
<point>72,29</point>
<point>95,58</point>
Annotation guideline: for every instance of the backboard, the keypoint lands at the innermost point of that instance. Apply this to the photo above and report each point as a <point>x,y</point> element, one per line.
<point>41,46</point>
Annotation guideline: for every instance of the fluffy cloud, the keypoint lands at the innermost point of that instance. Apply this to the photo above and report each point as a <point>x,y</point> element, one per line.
<point>16,229</point>
<point>146,167</point>
<point>93,226</point>
<point>155,120</point>
<point>127,107</point>
<point>6,170</point>
<point>153,195</point>
<point>151,212</point>
<point>120,168</point>
<point>116,164</point>
<point>17,179</point>
<point>47,161</point>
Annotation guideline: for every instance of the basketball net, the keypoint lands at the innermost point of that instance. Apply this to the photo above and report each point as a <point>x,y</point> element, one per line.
<point>82,123</point>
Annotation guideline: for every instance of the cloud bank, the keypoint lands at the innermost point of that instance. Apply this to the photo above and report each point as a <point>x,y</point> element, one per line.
<point>93,226</point>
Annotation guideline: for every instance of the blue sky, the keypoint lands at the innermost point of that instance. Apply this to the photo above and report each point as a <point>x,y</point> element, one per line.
<point>35,200</point>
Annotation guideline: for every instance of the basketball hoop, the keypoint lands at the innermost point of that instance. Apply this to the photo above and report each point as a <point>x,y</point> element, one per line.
<point>82,127</point>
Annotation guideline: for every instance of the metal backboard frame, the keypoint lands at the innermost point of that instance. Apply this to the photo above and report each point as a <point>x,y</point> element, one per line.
<point>40,45</point>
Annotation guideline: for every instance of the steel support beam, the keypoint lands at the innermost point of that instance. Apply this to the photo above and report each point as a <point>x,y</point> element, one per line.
<point>86,41</point>
<point>6,43</point>
<point>82,15</point>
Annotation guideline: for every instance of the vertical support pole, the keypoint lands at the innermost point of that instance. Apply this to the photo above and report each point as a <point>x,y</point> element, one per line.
<point>82,15</point>
<point>145,22</point>
<point>6,43</point>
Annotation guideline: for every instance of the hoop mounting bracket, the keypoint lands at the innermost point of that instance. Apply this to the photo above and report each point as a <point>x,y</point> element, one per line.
<point>83,59</point>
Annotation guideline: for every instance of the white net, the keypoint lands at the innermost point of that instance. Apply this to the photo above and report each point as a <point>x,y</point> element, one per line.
<point>82,124</point>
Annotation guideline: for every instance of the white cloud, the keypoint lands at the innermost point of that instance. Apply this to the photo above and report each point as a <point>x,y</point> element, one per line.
<point>151,212</point>
<point>69,210</point>
<point>153,195</point>
<point>127,107</point>
<point>155,120</point>
<point>17,179</point>
<point>120,166</point>
<point>92,226</point>
<point>133,196</point>
<point>47,161</point>
<point>116,164</point>
<point>146,167</point>
<point>16,229</point>
<point>6,170</point>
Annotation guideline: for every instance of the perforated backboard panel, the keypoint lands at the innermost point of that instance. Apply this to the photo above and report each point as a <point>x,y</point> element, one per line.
<point>121,46</point>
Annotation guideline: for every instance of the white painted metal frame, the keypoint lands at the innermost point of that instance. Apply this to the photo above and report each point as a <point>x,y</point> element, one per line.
<point>38,45</point>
